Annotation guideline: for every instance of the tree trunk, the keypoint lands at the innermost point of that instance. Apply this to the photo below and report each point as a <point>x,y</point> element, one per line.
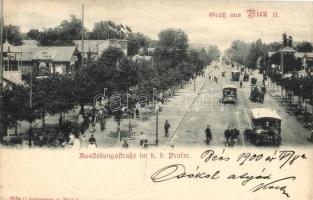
<point>15,128</point>
<point>82,110</point>
<point>43,119</point>
<point>118,128</point>
<point>60,121</point>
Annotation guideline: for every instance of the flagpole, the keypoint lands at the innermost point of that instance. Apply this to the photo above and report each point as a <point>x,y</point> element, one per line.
<point>1,56</point>
<point>1,74</point>
<point>83,35</point>
<point>108,34</point>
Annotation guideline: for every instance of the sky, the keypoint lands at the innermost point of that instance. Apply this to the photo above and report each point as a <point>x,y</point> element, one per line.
<point>150,17</point>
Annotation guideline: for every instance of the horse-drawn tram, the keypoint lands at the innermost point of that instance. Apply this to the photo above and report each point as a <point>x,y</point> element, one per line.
<point>229,94</point>
<point>235,75</point>
<point>266,127</point>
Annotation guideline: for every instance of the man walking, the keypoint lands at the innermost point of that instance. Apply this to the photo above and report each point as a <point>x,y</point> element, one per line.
<point>208,135</point>
<point>167,126</point>
<point>227,134</point>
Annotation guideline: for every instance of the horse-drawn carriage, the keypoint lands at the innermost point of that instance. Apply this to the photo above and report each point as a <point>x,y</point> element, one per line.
<point>253,81</point>
<point>257,93</point>
<point>246,77</point>
<point>229,94</point>
<point>235,75</point>
<point>266,127</point>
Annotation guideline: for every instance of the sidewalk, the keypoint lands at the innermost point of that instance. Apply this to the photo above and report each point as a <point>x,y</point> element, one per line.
<point>173,110</point>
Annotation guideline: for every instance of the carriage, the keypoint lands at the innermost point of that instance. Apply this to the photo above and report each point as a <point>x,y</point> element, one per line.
<point>257,93</point>
<point>235,75</point>
<point>229,94</point>
<point>245,77</point>
<point>253,81</point>
<point>266,127</point>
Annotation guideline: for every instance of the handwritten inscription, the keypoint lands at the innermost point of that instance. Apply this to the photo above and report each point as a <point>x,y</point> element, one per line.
<point>263,180</point>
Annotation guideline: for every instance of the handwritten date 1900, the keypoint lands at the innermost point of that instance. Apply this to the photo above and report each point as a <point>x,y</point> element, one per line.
<point>283,157</point>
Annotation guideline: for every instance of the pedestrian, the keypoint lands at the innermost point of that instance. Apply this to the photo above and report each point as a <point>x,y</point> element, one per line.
<point>102,123</point>
<point>125,144</point>
<point>240,84</point>
<point>227,134</point>
<point>311,139</point>
<point>92,142</point>
<point>76,143</point>
<point>234,136</point>
<point>83,141</point>
<point>143,139</point>
<point>208,134</point>
<point>167,126</point>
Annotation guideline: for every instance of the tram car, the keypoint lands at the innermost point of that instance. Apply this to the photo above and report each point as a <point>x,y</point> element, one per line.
<point>257,93</point>
<point>265,127</point>
<point>235,75</point>
<point>229,94</point>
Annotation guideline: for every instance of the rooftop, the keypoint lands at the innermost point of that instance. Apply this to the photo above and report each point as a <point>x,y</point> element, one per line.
<point>258,113</point>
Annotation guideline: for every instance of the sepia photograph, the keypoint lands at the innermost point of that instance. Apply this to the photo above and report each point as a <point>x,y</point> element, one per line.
<point>156,94</point>
<point>104,74</point>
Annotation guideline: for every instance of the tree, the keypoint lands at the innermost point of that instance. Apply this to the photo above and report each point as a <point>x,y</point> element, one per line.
<point>257,50</point>
<point>304,47</point>
<point>13,34</point>
<point>126,75</point>
<point>104,30</point>
<point>238,52</point>
<point>52,95</point>
<point>147,76</point>
<point>290,40</point>
<point>273,46</point>
<point>212,53</point>
<point>34,34</point>
<point>173,39</point>
<point>135,42</point>
<point>285,40</point>
<point>15,102</point>
<point>64,34</point>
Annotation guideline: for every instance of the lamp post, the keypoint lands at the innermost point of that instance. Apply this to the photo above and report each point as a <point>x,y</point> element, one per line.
<point>30,107</point>
<point>1,73</point>
<point>156,108</point>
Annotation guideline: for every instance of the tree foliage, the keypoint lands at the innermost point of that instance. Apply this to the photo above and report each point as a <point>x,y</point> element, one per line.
<point>12,34</point>
<point>304,47</point>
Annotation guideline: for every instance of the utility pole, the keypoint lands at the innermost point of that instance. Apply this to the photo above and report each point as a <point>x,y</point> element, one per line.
<point>156,108</point>
<point>30,107</point>
<point>1,73</point>
<point>83,35</point>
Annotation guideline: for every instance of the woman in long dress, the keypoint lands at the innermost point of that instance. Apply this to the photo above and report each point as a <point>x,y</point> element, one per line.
<point>92,142</point>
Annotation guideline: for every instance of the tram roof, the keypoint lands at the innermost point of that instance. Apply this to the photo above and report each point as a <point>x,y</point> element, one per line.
<point>229,86</point>
<point>258,113</point>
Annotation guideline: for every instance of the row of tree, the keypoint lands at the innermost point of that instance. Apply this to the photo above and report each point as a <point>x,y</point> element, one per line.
<point>247,54</point>
<point>256,55</point>
<point>69,30</point>
<point>172,64</point>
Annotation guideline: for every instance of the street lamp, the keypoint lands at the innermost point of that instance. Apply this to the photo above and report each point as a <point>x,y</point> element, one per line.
<point>30,107</point>
<point>194,84</point>
<point>156,108</point>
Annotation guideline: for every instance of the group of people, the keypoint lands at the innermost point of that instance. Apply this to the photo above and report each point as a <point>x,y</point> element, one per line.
<point>230,134</point>
<point>213,78</point>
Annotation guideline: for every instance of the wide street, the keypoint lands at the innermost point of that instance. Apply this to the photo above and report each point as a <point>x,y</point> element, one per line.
<point>196,106</point>
<point>207,110</point>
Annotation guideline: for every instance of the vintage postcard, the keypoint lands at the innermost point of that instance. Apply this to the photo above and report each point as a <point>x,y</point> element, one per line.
<point>156,100</point>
